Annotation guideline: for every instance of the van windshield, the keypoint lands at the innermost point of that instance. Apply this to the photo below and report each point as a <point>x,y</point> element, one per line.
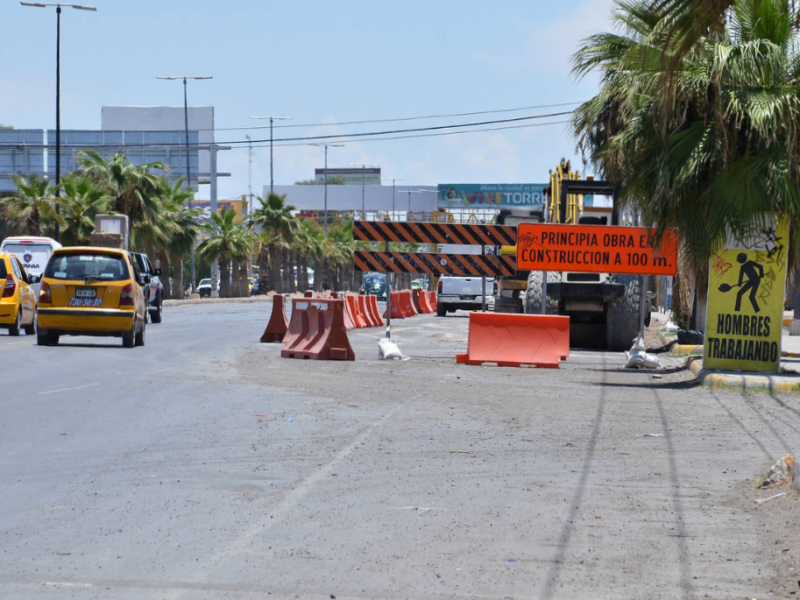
<point>103,267</point>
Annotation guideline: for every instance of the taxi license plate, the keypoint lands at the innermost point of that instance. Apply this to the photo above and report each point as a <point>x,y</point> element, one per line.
<point>88,302</point>
<point>86,293</point>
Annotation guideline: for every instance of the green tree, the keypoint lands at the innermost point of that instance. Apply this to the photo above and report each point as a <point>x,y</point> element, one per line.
<point>701,138</point>
<point>135,188</point>
<point>332,180</point>
<point>32,203</point>
<point>81,200</point>
<point>182,227</point>
<point>228,242</point>
<point>278,225</point>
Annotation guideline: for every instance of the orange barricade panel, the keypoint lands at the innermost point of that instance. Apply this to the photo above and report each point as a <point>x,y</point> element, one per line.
<point>355,313</point>
<point>372,304</point>
<point>432,299</point>
<point>362,307</point>
<point>397,310</point>
<point>278,324</point>
<point>317,331</point>
<point>348,320</point>
<point>407,304</point>
<point>511,340</point>
<point>421,299</point>
<point>415,296</point>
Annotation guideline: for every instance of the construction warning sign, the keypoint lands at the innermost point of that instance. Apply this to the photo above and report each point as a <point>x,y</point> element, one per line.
<point>745,299</point>
<point>596,249</point>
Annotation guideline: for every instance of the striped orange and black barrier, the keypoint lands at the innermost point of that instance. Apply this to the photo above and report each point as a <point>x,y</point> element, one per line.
<point>435,233</point>
<point>436,264</point>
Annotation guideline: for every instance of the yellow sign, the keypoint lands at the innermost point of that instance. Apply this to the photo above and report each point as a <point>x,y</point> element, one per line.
<point>745,299</point>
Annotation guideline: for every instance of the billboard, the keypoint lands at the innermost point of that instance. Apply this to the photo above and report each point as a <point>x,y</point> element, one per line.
<point>491,195</point>
<point>237,206</point>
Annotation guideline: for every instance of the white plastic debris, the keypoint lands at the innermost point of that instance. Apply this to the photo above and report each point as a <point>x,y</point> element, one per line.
<point>779,471</point>
<point>388,350</point>
<point>671,327</point>
<point>638,358</point>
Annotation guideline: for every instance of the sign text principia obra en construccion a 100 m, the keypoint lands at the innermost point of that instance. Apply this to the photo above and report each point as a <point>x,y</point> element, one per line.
<point>746,282</point>
<point>596,249</point>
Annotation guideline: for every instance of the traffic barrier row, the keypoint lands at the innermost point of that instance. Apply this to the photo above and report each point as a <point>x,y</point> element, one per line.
<point>512,340</point>
<point>317,331</point>
<point>409,303</point>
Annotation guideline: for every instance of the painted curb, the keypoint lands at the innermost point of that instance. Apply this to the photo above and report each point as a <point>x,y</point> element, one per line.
<point>247,300</point>
<point>680,348</point>
<point>742,381</point>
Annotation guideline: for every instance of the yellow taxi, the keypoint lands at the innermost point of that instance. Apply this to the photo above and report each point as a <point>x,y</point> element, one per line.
<point>17,299</point>
<point>92,291</point>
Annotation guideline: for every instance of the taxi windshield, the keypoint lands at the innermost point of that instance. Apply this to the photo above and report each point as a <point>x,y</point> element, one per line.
<point>104,267</point>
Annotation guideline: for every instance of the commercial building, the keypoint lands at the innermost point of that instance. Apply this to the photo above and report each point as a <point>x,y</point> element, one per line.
<point>352,176</point>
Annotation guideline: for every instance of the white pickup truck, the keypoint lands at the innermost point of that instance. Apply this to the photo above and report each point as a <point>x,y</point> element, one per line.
<point>462,293</point>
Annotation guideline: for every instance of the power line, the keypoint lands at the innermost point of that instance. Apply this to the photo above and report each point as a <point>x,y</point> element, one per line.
<point>397,119</point>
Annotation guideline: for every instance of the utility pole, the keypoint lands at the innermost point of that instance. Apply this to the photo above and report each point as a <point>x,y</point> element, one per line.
<point>213,208</point>
<point>363,168</point>
<point>394,181</point>
<point>325,223</point>
<point>271,121</point>
<point>185,79</point>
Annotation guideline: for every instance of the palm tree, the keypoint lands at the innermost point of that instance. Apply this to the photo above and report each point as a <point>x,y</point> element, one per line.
<point>32,203</point>
<point>135,188</point>
<point>82,200</point>
<point>183,227</point>
<point>715,149</point>
<point>229,242</point>
<point>308,247</point>
<point>278,227</point>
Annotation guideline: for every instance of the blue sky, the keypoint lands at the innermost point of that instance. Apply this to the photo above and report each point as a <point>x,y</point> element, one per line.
<point>319,62</point>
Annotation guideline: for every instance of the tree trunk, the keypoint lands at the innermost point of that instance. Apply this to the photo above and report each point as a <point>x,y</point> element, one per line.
<point>319,275</point>
<point>288,270</point>
<point>302,272</point>
<point>263,271</point>
<point>163,263</point>
<point>275,280</point>
<point>177,278</point>
<point>224,278</point>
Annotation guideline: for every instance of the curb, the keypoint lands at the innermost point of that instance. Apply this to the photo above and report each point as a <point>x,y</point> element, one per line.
<point>739,380</point>
<point>680,348</point>
<point>247,300</point>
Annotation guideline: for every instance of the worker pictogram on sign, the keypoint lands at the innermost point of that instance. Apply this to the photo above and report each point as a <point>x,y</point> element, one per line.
<point>596,249</point>
<point>745,299</point>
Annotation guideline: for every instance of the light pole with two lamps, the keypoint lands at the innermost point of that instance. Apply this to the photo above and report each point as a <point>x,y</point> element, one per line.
<point>185,79</point>
<point>58,6</point>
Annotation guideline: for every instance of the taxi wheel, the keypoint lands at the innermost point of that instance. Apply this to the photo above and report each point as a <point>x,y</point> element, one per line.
<point>139,337</point>
<point>30,329</point>
<point>14,329</point>
<point>129,339</point>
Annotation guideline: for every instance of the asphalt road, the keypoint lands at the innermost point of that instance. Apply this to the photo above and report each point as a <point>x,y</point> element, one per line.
<point>205,466</point>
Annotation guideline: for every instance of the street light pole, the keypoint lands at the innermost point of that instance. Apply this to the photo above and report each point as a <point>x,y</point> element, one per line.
<point>271,120</point>
<point>363,186</point>
<point>325,223</point>
<point>394,181</point>
<point>58,92</point>
<point>185,79</point>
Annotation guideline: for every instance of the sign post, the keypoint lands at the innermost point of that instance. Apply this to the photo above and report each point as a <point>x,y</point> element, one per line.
<point>746,284</point>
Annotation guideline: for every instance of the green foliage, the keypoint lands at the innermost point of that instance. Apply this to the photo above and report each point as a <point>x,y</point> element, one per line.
<point>702,137</point>
<point>32,204</point>
<point>81,200</point>
<point>332,180</point>
<point>228,241</point>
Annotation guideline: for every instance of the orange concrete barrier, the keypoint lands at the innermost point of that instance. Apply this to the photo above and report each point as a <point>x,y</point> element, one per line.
<point>432,299</point>
<point>394,301</point>
<point>278,324</point>
<point>415,297</point>
<point>352,307</point>
<point>421,302</point>
<point>348,320</point>
<point>511,340</point>
<point>308,294</point>
<point>372,305</point>
<point>362,306</point>
<point>317,331</point>
<point>407,304</point>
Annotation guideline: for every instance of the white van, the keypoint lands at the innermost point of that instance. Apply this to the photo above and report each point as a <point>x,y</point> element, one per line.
<point>32,251</point>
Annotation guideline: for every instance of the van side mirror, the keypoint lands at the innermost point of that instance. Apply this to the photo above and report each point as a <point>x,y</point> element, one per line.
<point>157,272</point>
<point>34,278</point>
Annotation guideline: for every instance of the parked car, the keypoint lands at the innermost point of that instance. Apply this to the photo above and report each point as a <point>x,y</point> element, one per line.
<point>154,291</point>
<point>204,288</point>
<point>92,291</point>
<point>462,293</point>
<point>17,300</point>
